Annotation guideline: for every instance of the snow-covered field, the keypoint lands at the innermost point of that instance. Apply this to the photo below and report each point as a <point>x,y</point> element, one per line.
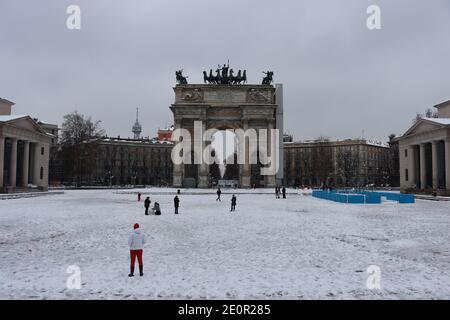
<point>300,247</point>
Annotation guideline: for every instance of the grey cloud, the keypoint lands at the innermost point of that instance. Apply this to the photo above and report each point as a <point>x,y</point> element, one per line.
<point>339,77</point>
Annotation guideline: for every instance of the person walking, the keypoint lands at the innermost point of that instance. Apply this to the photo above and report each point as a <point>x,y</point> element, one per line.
<point>139,196</point>
<point>283,191</point>
<point>219,192</point>
<point>176,203</point>
<point>277,192</point>
<point>136,243</point>
<point>147,205</point>
<point>233,203</point>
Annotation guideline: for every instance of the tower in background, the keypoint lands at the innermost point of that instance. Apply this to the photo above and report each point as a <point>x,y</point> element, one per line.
<point>137,128</point>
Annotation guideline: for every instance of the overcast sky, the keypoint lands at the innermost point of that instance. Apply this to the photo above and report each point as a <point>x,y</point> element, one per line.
<point>339,77</point>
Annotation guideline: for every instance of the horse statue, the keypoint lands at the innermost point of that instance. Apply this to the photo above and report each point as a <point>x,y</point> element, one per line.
<point>224,75</point>
<point>180,78</point>
<point>268,79</point>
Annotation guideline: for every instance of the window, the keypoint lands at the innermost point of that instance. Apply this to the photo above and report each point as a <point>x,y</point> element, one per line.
<point>42,173</point>
<point>406,175</point>
<point>42,151</point>
<point>406,153</point>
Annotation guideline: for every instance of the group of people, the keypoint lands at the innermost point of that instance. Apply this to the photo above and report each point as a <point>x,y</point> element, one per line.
<point>136,240</point>
<point>280,191</point>
<point>156,210</point>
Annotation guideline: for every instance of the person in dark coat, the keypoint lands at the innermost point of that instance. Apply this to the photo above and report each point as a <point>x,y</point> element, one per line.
<point>147,205</point>
<point>139,196</point>
<point>219,192</point>
<point>156,209</point>
<point>176,203</point>
<point>284,192</point>
<point>233,203</point>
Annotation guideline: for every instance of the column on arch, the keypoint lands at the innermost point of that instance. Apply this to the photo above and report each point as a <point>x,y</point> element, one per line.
<point>203,173</point>
<point>178,169</point>
<point>270,179</point>
<point>244,168</point>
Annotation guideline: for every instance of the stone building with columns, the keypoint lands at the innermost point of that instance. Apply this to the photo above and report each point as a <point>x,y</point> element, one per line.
<point>24,151</point>
<point>425,154</point>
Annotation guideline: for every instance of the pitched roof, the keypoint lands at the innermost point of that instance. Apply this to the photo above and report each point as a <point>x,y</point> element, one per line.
<point>11,117</point>
<point>436,121</point>
<point>444,121</point>
<point>443,104</point>
<point>7,101</point>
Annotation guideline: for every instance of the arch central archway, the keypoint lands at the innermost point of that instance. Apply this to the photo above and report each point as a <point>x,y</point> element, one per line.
<point>224,107</point>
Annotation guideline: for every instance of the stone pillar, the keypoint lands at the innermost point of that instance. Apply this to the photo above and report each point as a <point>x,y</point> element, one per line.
<point>270,181</point>
<point>434,155</point>
<point>204,167</point>
<point>423,167</point>
<point>26,163</point>
<point>281,179</point>
<point>13,163</point>
<point>244,169</point>
<point>177,168</point>
<point>2,162</point>
<point>412,174</point>
<point>447,165</point>
<point>35,164</point>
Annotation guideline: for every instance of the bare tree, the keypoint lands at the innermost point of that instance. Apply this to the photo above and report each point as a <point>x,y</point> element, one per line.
<point>347,162</point>
<point>78,145</point>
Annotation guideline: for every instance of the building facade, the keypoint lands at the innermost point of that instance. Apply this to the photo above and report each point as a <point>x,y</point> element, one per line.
<point>347,163</point>
<point>424,152</point>
<point>24,151</point>
<point>120,161</point>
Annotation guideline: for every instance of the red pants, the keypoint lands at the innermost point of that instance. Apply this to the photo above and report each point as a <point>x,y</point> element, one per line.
<point>133,255</point>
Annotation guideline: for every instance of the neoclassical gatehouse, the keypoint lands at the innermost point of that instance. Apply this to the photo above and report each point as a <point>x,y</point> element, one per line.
<point>24,151</point>
<point>425,154</point>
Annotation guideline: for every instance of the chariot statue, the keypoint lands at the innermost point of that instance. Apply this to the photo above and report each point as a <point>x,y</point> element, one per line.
<point>225,75</point>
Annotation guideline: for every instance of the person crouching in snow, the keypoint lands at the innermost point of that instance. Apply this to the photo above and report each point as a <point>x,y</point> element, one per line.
<point>156,209</point>
<point>136,242</point>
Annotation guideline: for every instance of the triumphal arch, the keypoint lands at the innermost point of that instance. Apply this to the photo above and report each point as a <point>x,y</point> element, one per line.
<point>225,102</point>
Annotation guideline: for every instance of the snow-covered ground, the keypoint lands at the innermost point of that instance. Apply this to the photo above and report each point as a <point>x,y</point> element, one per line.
<point>300,247</point>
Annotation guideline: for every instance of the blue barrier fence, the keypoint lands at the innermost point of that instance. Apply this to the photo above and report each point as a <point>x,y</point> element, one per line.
<point>362,196</point>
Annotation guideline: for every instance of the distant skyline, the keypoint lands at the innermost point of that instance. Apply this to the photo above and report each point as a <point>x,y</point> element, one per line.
<point>340,78</point>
